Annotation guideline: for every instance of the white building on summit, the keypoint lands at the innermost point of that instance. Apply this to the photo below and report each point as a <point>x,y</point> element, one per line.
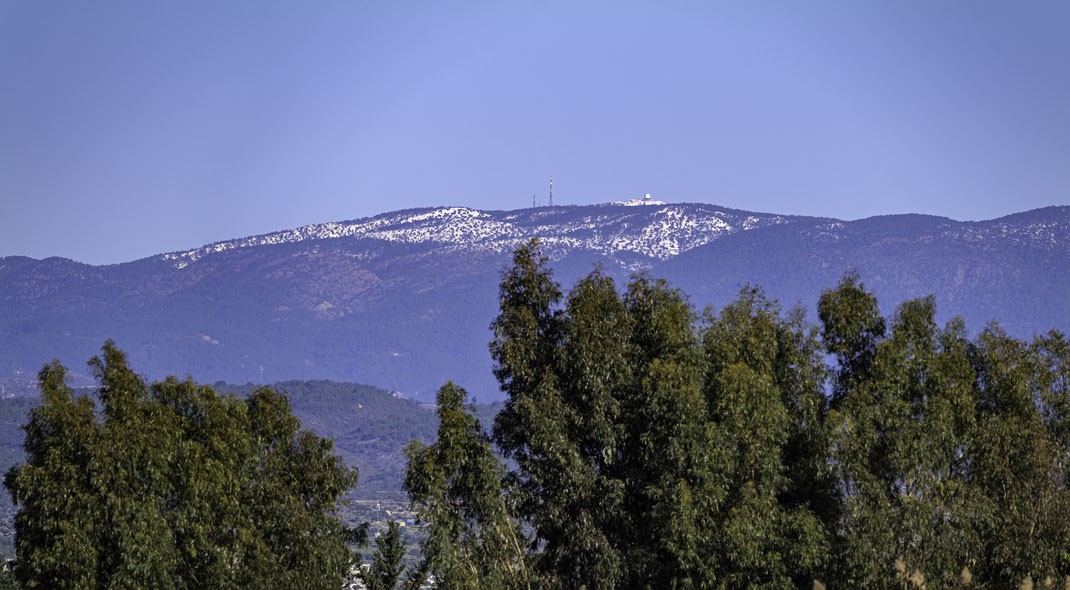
<point>646,200</point>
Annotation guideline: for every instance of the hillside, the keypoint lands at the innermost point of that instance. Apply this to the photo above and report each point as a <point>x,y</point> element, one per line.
<point>404,299</point>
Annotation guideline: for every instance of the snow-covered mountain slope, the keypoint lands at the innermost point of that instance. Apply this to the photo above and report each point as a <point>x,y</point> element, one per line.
<point>656,230</point>
<point>404,299</point>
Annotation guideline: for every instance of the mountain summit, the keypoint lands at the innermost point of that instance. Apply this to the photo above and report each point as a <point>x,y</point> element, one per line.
<point>657,230</point>
<point>404,299</point>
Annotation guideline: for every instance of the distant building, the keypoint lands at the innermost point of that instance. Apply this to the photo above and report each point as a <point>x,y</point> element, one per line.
<point>646,200</point>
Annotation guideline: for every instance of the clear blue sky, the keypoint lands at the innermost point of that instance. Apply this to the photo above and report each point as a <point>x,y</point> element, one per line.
<point>132,128</point>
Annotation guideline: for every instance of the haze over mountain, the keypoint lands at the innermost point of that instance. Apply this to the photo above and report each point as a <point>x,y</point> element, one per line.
<point>404,300</point>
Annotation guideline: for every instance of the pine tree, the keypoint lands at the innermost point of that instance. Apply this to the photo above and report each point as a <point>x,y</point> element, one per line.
<point>386,566</point>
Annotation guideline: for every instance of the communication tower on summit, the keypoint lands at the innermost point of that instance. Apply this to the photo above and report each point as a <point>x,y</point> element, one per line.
<point>551,191</point>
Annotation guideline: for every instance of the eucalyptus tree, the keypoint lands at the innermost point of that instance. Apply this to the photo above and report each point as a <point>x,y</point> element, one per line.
<point>1020,457</point>
<point>579,420</point>
<point>455,487</point>
<point>951,452</point>
<point>764,390</point>
<point>654,450</point>
<point>649,454</point>
<point>554,424</point>
<point>665,465</point>
<point>173,486</point>
<point>901,424</point>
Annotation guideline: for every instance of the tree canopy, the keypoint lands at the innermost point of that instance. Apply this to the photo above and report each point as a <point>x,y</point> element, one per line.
<point>473,540</point>
<point>172,486</point>
<point>649,446</point>
<point>651,453</point>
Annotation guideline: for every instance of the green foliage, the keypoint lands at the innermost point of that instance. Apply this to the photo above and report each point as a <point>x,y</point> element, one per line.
<point>370,427</point>
<point>851,326</point>
<point>173,486</point>
<point>1021,456</point>
<point>455,486</point>
<point>386,566</point>
<point>649,449</point>
<point>900,425</point>
<point>766,416</point>
<point>950,452</point>
<point>645,446</point>
<point>664,465</point>
<point>649,452</point>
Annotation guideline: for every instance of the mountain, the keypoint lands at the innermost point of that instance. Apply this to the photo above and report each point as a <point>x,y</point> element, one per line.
<point>404,299</point>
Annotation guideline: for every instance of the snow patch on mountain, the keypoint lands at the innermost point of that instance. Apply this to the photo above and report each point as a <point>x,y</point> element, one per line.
<point>656,230</point>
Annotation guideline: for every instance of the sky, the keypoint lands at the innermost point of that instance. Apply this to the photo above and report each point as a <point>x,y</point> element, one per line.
<point>131,128</point>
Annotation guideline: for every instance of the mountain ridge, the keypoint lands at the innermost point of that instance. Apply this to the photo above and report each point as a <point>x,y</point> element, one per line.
<point>503,230</point>
<point>306,232</point>
<point>404,299</point>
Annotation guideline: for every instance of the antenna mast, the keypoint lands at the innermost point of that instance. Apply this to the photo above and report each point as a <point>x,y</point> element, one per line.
<point>551,191</point>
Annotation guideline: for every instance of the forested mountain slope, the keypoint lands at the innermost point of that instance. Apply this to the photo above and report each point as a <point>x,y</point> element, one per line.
<point>404,299</point>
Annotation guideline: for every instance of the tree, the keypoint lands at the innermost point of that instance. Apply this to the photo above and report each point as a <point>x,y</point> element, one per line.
<point>1019,457</point>
<point>564,371</point>
<point>386,566</point>
<point>174,486</point>
<point>535,427</point>
<point>650,450</point>
<point>665,463</point>
<point>57,526</point>
<point>646,456</point>
<point>851,327</point>
<point>763,387</point>
<point>455,486</point>
<point>949,452</point>
<point>580,492</point>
